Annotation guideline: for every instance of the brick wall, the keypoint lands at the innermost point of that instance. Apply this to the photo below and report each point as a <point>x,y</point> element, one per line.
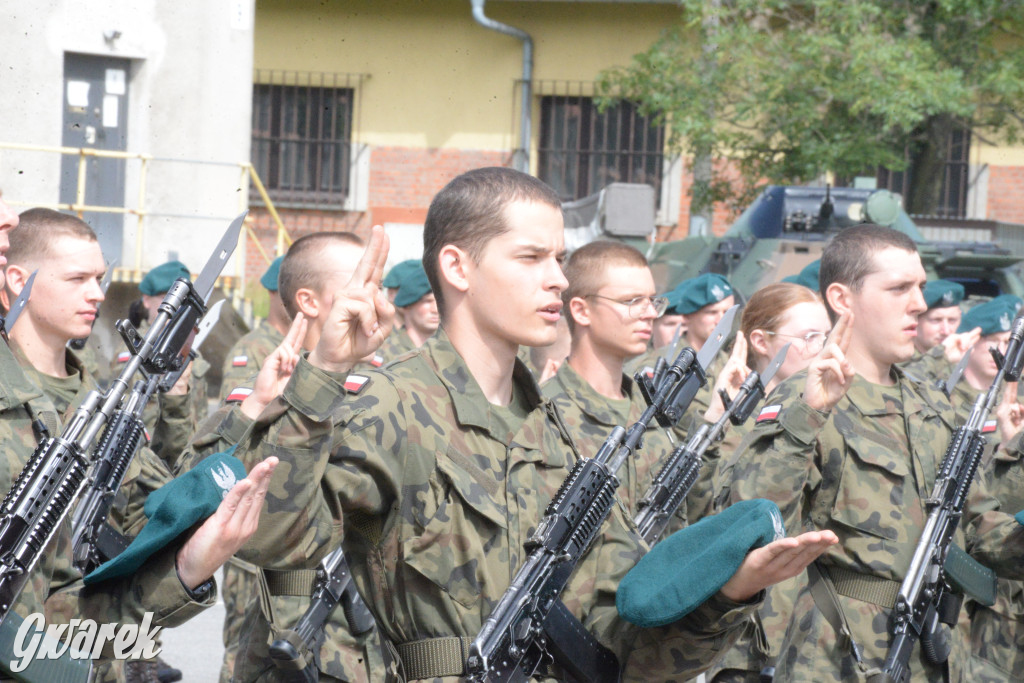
<point>1006,194</point>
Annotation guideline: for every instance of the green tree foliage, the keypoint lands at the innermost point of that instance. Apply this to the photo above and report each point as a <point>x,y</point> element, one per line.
<point>790,90</point>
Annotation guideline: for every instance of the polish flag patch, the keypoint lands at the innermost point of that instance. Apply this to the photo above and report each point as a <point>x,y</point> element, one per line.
<point>355,383</point>
<point>239,361</point>
<point>238,394</point>
<point>769,413</point>
<point>649,371</point>
<point>377,361</point>
<point>988,427</point>
<point>124,356</point>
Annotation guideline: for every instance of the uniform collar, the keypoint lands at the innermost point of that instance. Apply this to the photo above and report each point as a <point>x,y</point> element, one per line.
<point>15,387</point>
<point>595,406</point>
<point>471,406</point>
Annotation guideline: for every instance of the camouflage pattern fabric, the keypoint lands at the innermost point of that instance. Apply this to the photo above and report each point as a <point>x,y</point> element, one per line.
<point>398,343</point>
<point>931,367</point>
<point>244,359</point>
<point>343,657</point>
<point>997,632</point>
<point>591,417</point>
<point>434,498</point>
<point>862,471</point>
<point>54,584</point>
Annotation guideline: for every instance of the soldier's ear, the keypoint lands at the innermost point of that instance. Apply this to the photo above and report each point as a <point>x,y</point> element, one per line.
<point>454,266</point>
<point>307,302</point>
<point>758,342</point>
<point>580,311</point>
<point>839,298</point>
<point>16,277</point>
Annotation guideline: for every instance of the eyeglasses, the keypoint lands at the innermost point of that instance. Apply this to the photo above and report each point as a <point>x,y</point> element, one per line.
<point>814,342</point>
<point>639,305</point>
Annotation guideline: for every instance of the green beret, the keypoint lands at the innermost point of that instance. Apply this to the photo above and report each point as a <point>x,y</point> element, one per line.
<point>943,293</point>
<point>393,280</point>
<point>808,277</point>
<point>414,287</point>
<point>992,317</point>
<point>694,294</point>
<point>160,279</point>
<point>691,565</point>
<point>269,279</point>
<point>175,508</point>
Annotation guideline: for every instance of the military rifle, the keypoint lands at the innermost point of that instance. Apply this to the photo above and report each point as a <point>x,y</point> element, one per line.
<point>677,476</point>
<point>514,642</point>
<point>926,600</point>
<point>93,540</point>
<point>296,649</point>
<point>47,487</point>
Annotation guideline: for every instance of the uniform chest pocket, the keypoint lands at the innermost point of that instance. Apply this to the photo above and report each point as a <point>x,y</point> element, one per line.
<point>870,495</point>
<point>460,545</point>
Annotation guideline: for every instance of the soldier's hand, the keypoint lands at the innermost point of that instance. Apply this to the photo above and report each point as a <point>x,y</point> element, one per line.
<point>277,369</point>
<point>227,529</point>
<point>775,562</point>
<point>731,378</point>
<point>1009,414</point>
<point>830,372</point>
<point>956,345</point>
<point>361,316</point>
<point>550,368</point>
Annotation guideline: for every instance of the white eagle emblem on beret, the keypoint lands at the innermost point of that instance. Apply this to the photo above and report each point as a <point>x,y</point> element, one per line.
<point>1004,322</point>
<point>717,292</point>
<point>947,299</point>
<point>224,478</point>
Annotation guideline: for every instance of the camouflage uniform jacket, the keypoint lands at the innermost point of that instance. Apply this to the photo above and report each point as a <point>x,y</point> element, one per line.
<point>155,587</point>
<point>437,497</point>
<point>862,471</point>
<point>591,417</point>
<point>931,367</point>
<point>398,343</point>
<point>244,359</point>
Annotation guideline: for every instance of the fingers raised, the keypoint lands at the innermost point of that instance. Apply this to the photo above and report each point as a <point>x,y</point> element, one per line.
<point>370,269</point>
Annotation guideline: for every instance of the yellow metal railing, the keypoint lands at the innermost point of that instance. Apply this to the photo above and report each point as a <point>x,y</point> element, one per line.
<point>134,272</point>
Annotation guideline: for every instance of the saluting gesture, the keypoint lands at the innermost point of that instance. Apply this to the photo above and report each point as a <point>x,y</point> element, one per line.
<point>361,316</point>
<point>829,374</point>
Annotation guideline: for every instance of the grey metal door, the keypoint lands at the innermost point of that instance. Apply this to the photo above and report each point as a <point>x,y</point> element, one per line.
<point>96,116</point>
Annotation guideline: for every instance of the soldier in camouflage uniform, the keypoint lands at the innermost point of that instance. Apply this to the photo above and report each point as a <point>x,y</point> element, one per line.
<point>244,359</point>
<point>939,344</point>
<point>435,472</point>
<point>776,315</point>
<point>853,445</point>
<point>610,304</point>
<point>175,584</point>
<point>315,267</point>
<point>419,311</point>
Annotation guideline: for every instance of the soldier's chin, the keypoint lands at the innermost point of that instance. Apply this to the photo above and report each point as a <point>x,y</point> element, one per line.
<point>539,338</point>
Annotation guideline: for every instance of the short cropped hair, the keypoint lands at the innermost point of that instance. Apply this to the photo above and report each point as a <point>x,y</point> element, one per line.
<point>850,256</point>
<point>37,231</point>
<point>470,211</point>
<point>586,267</point>
<point>304,267</point>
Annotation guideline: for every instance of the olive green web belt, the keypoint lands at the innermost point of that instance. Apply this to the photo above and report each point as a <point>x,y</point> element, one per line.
<point>864,587</point>
<point>434,657</point>
<point>296,582</point>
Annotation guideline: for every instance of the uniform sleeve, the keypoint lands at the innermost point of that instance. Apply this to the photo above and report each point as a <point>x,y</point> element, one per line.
<point>171,426</point>
<point>994,537</point>
<point>332,457</point>
<point>777,459</point>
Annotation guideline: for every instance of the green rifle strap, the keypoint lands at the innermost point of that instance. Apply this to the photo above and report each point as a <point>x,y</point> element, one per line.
<point>824,594</point>
<point>968,576</point>
<point>64,669</point>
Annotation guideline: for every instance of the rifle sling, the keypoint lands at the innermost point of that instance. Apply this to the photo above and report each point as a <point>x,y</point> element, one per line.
<point>824,594</point>
<point>297,582</point>
<point>578,652</point>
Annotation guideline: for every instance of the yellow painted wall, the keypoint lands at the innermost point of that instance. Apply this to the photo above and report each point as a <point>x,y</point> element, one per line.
<point>436,77</point>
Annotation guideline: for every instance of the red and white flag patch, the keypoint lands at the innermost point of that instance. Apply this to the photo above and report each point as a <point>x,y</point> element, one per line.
<point>769,413</point>
<point>238,394</point>
<point>378,360</point>
<point>124,356</point>
<point>989,427</point>
<point>355,383</point>
<point>239,361</point>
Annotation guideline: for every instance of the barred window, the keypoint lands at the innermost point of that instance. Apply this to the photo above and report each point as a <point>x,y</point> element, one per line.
<point>953,196</point>
<point>581,150</point>
<point>302,137</point>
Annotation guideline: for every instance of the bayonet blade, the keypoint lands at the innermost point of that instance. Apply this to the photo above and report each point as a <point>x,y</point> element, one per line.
<point>107,277</point>
<point>19,303</point>
<point>957,373</point>
<point>208,322</point>
<point>208,277</point>
<point>773,367</point>
<point>718,336</point>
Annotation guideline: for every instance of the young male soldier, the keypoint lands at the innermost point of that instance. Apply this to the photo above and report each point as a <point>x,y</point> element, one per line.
<point>247,355</point>
<point>853,445</point>
<point>314,269</point>
<point>610,306</point>
<point>418,308</point>
<point>939,345</point>
<point>168,581</point>
<point>438,469</point>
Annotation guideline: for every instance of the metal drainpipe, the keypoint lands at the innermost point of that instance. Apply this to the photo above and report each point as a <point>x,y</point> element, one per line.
<point>521,157</point>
